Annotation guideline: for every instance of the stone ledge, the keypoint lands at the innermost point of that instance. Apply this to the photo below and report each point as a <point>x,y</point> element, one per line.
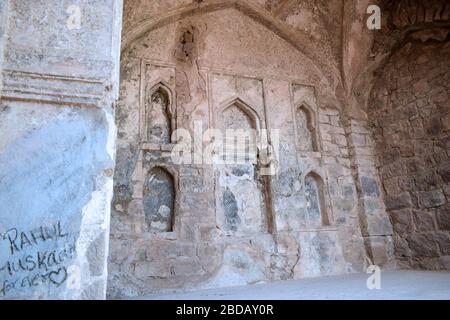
<point>58,89</point>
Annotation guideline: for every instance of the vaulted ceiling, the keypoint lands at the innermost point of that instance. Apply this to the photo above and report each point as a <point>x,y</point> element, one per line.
<point>332,33</point>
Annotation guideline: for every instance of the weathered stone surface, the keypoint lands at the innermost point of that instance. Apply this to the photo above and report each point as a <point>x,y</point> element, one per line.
<point>408,110</point>
<point>424,221</point>
<point>358,142</point>
<point>382,251</point>
<point>443,218</point>
<point>369,186</point>
<point>96,255</point>
<point>443,241</point>
<point>431,199</point>
<point>423,245</point>
<point>159,200</point>
<point>402,221</point>
<point>233,208</point>
<point>57,88</point>
<point>402,200</point>
<point>402,250</point>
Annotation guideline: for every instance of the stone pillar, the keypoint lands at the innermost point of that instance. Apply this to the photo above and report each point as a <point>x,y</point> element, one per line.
<point>59,69</point>
<point>376,227</point>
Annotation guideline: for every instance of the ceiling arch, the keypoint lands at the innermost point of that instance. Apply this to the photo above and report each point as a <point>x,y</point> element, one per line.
<point>325,68</point>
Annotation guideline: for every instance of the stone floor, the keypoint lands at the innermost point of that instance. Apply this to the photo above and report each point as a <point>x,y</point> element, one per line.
<point>398,285</point>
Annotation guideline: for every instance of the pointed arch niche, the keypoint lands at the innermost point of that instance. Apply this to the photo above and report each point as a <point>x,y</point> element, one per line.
<point>306,129</point>
<point>240,194</point>
<point>159,120</point>
<point>316,207</point>
<point>237,115</point>
<point>159,196</point>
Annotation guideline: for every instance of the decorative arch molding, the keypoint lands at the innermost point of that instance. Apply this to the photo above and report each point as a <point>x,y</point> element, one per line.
<point>311,113</point>
<point>311,122</point>
<point>150,90</point>
<point>315,170</point>
<point>246,7</point>
<point>160,83</point>
<point>169,169</point>
<point>140,171</point>
<point>244,107</point>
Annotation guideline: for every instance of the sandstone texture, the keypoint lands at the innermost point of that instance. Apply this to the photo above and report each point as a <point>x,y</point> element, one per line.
<point>409,112</point>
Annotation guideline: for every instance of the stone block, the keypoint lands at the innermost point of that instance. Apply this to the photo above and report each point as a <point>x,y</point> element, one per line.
<point>444,263</point>
<point>158,248</point>
<point>443,239</point>
<point>339,139</point>
<point>424,220</point>
<point>432,126</point>
<point>431,199</point>
<point>423,244</point>
<point>144,270</point>
<point>443,218</point>
<point>446,188</point>
<point>421,87</point>
<point>358,139</point>
<point>445,120</point>
<point>405,183</point>
<point>383,251</point>
<point>399,201</point>
<point>401,246</point>
<point>402,220</point>
<point>391,185</point>
<point>373,205</point>
<point>187,266</point>
<point>444,172</point>
<point>379,224</point>
<point>369,187</point>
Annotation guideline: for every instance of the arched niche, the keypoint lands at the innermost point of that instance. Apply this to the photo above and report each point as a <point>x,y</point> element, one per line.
<point>159,200</point>
<point>242,110</point>
<point>306,129</point>
<point>238,116</point>
<point>158,115</point>
<point>316,207</point>
<point>235,116</point>
<point>241,202</point>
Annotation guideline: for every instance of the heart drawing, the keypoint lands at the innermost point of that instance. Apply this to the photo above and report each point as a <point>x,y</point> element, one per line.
<point>58,277</point>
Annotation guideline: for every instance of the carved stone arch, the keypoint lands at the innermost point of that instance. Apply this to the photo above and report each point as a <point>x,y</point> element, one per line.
<point>316,197</point>
<point>160,198</point>
<point>306,128</point>
<point>320,64</point>
<point>169,110</point>
<point>160,83</point>
<point>240,212</point>
<point>314,170</point>
<point>245,108</point>
<point>312,111</point>
<point>236,114</point>
<point>173,172</point>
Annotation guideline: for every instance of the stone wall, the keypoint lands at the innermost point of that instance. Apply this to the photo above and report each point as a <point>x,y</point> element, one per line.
<point>59,81</point>
<point>298,73</point>
<point>231,225</point>
<point>410,117</point>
